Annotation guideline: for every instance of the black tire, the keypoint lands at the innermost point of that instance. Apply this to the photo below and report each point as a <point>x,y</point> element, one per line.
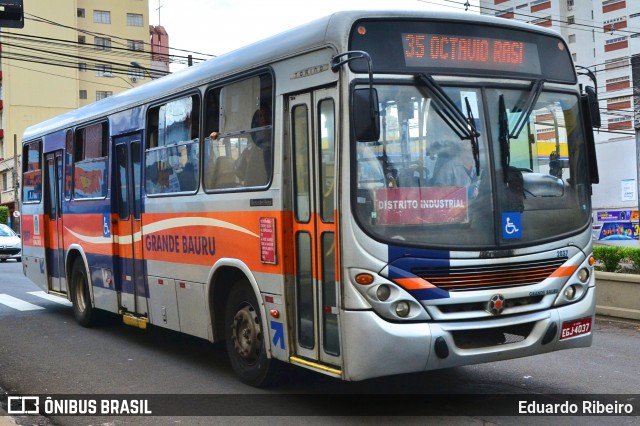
<point>245,339</point>
<point>3,260</point>
<point>83,310</point>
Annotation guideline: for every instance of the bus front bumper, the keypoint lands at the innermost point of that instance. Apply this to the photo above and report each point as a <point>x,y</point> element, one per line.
<point>374,347</point>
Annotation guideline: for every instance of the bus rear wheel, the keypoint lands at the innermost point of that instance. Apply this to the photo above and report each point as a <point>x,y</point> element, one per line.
<point>245,338</point>
<point>80,297</point>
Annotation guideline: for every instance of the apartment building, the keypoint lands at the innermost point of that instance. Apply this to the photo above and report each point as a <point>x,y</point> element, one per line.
<point>603,35</point>
<point>69,53</point>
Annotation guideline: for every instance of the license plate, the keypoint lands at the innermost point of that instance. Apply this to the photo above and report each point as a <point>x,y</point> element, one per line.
<point>575,328</point>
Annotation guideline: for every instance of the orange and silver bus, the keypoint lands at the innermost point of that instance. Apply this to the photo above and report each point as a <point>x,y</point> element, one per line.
<point>370,194</point>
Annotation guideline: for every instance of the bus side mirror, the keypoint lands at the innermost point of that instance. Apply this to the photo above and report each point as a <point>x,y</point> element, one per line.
<point>594,106</point>
<point>589,123</point>
<point>366,114</point>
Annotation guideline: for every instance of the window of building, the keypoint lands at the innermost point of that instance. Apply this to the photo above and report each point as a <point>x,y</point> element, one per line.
<point>82,39</point>
<point>80,13</point>
<point>90,155</point>
<point>82,67</point>
<point>571,20</point>
<point>102,43</point>
<point>240,114</point>
<point>570,4</point>
<point>101,94</point>
<point>135,45</point>
<point>136,73</point>
<point>104,70</point>
<point>572,38</point>
<point>618,80</point>
<point>173,148</point>
<point>615,63</point>
<point>622,99</point>
<point>521,6</point>
<point>634,15</point>
<point>135,20</point>
<point>83,94</point>
<point>102,16</point>
<point>5,181</point>
<point>615,40</point>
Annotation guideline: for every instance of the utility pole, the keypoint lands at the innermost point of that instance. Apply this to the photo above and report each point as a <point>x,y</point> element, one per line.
<point>16,187</point>
<point>635,78</point>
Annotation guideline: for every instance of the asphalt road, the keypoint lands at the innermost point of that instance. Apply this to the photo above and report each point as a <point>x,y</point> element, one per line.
<point>43,351</point>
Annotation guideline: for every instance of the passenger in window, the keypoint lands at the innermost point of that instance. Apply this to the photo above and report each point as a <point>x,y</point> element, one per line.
<point>455,166</point>
<point>254,165</point>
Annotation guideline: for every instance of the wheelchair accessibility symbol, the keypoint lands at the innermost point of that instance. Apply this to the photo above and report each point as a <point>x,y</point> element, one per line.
<point>106,230</point>
<point>511,225</point>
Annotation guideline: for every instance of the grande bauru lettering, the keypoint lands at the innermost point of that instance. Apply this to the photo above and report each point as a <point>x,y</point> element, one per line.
<point>198,245</point>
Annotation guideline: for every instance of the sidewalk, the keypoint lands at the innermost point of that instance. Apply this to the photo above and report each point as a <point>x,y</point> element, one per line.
<point>5,420</point>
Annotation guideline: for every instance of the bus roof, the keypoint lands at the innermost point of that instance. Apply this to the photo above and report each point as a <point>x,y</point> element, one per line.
<point>332,30</point>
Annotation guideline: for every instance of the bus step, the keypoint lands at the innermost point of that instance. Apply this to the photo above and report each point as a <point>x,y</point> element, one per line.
<point>312,365</point>
<point>134,321</point>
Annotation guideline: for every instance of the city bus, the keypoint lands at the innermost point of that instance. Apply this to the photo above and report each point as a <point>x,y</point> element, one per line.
<point>372,193</point>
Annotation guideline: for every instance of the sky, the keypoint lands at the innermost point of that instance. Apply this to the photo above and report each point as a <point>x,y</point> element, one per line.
<point>215,27</point>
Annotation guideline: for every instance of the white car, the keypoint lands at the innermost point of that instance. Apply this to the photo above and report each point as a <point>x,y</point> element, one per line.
<point>10,244</point>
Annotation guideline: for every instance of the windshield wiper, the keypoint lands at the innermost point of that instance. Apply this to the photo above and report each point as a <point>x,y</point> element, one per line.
<point>503,136</point>
<point>475,149</point>
<point>447,109</point>
<point>536,89</point>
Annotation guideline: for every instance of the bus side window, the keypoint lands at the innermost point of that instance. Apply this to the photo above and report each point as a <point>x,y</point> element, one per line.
<point>31,173</point>
<point>173,147</point>
<point>90,161</point>
<point>244,134</point>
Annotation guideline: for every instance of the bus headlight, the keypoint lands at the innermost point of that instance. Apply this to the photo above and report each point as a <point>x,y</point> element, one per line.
<point>383,292</point>
<point>570,292</point>
<point>402,309</point>
<point>583,275</point>
<point>387,298</point>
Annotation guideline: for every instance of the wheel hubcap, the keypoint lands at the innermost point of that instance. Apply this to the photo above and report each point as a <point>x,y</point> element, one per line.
<point>246,334</point>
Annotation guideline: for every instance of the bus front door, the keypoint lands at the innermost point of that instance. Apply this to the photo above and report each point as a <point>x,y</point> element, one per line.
<point>313,135</point>
<point>127,199</point>
<point>54,249</point>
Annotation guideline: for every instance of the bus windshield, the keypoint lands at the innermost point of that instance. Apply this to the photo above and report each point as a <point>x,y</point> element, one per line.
<point>421,184</point>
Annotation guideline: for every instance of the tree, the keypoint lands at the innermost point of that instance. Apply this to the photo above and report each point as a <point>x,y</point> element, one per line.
<point>4,214</point>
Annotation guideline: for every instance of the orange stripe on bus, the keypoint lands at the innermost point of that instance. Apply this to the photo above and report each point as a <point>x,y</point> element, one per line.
<point>413,283</point>
<point>564,271</point>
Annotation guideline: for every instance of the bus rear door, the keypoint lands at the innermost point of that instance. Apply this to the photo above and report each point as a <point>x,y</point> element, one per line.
<point>54,249</point>
<point>127,199</point>
<point>313,135</point>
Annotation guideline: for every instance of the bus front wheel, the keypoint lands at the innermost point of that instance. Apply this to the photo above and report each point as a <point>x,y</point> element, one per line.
<point>80,297</point>
<point>245,338</point>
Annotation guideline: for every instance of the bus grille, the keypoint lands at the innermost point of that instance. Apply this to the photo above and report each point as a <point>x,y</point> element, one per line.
<point>478,277</point>
<point>475,339</point>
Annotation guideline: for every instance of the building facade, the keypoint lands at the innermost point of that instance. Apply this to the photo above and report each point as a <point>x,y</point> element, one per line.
<point>604,36</point>
<point>69,53</point>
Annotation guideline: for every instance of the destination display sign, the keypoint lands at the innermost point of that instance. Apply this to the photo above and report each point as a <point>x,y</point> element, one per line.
<point>438,50</point>
<point>461,48</point>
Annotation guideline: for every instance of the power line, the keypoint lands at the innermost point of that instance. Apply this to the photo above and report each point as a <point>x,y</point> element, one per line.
<point>36,18</point>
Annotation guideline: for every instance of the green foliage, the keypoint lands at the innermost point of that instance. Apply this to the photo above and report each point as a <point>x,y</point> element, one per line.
<point>617,259</point>
<point>4,214</point>
<point>633,256</point>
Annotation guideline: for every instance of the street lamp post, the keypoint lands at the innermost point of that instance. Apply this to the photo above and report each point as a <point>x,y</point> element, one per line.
<point>137,65</point>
